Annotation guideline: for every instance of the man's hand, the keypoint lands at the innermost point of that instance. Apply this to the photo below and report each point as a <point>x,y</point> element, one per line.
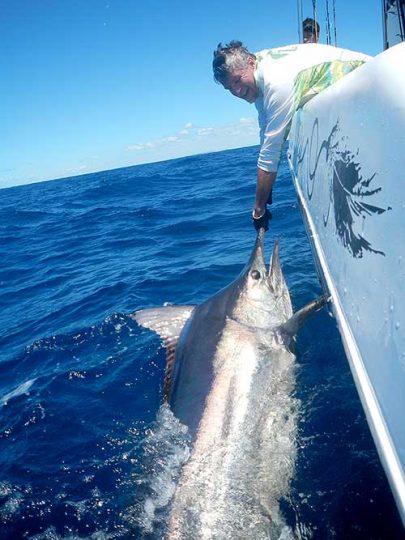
<point>261,220</point>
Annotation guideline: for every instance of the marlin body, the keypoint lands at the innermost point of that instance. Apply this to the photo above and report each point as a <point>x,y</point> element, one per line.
<point>230,379</point>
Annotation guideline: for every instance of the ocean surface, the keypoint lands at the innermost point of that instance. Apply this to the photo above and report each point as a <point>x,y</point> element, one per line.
<point>86,450</point>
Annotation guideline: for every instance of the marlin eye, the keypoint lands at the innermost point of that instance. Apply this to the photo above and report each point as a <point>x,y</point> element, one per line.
<point>255,274</point>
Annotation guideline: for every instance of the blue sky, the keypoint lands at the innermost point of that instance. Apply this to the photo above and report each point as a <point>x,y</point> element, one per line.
<point>90,85</point>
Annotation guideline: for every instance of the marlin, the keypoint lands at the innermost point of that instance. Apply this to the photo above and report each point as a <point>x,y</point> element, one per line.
<point>230,379</point>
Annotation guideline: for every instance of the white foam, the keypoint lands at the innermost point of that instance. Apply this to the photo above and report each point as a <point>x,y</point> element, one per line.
<point>167,446</point>
<point>20,390</point>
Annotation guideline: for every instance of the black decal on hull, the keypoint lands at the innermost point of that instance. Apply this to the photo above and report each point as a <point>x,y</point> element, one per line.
<point>349,191</point>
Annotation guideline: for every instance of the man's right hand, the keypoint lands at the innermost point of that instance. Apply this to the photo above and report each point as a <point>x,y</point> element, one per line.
<point>262,221</point>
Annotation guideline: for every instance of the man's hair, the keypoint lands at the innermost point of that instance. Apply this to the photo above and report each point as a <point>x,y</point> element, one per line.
<point>229,57</point>
<point>311,26</point>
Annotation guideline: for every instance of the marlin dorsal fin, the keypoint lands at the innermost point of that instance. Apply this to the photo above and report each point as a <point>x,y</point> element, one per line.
<point>167,322</point>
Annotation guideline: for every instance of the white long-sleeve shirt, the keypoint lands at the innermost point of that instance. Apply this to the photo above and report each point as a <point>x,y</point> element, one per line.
<point>285,76</point>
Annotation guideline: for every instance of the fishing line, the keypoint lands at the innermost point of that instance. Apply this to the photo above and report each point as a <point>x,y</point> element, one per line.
<point>328,39</point>
<point>334,21</point>
<point>314,10</point>
<point>300,16</point>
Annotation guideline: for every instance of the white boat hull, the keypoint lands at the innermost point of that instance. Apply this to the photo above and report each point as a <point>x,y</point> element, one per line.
<point>347,157</point>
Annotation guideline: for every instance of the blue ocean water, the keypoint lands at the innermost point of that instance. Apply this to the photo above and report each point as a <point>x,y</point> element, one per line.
<point>85,449</point>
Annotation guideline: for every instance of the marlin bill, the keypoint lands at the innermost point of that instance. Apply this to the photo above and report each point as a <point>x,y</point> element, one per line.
<point>230,378</point>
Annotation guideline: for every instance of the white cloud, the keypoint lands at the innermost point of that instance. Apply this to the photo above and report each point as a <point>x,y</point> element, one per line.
<point>205,131</point>
<point>196,140</point>
<point>248,121</point>
<point>245,130</point>
<point>136,147</point>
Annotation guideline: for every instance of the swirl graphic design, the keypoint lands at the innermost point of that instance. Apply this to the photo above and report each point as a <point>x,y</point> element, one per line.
<point>350,193</point>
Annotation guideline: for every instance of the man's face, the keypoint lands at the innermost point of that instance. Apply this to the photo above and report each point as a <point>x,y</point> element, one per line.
<point>241,83</point>
<point>309,37</point>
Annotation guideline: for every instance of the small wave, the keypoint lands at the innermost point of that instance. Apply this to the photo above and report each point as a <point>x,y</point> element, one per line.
<point>19,391</point>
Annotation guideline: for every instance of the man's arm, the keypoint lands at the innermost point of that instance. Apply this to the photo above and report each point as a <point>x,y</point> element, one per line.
<point>265,181</point>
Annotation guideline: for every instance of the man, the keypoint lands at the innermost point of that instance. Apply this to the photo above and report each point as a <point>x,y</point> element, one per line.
<point>278,81</point>
<point>310,31</point>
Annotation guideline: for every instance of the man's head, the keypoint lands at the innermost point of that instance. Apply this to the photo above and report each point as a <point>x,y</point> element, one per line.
<point>234,68</point>
<point>310,30</point>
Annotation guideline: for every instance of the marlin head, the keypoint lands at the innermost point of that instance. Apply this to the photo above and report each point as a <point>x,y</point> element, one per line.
<point>263,298</point>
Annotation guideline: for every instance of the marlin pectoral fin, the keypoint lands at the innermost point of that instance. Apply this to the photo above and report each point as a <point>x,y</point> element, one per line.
<point>295,322</point>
